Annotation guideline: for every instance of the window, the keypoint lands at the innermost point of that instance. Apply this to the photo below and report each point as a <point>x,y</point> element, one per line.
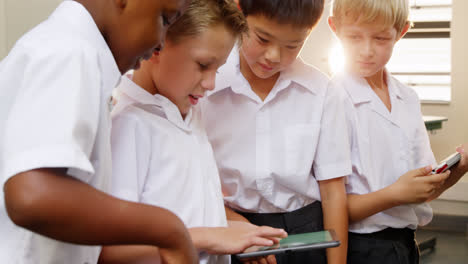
<point>422,58</point>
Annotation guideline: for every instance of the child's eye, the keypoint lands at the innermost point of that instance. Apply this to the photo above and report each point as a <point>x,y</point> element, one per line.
<point>203,66</point>
<point>262,40</point>
<point>165,20</point>
<point>292,47</point>
<point>382,38</point>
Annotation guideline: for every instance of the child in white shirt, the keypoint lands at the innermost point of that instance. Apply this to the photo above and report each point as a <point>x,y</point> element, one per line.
<point>390,147</point>
<point>277,131</point>
<point>55,165</point>
<point>161,154</point>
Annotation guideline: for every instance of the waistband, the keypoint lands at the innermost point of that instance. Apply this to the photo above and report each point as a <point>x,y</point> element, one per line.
<point>308,214</point>
<point>395,234</point>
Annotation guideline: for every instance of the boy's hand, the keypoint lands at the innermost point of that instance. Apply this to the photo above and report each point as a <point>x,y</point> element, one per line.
<point>417,186</point>
<point>260,260</point>
<point>242,235</point>
<point>463,163</point>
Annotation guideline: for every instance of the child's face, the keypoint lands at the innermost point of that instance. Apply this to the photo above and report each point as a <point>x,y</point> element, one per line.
<point>270,47</point>
<point>140,29</point>
<point>367,47</point>
<point>183,72</point>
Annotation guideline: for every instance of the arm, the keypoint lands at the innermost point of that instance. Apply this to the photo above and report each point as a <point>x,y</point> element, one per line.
<point>129,255</point>
<point>456,173</point>
<point>235,238</point>
<point>415,186</point>
<point>48,202</point>
<point>335,216</point>
<point>234,216</point>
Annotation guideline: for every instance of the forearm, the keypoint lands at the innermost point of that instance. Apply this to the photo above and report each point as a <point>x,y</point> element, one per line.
<point>202,237</point>
<point>232,215</point>
<point>139,254</point>
<point>335,217</point>
<point>361,206</point>
<point>52,204</point>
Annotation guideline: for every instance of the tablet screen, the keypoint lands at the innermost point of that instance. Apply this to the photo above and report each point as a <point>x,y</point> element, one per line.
<point>296,242</point>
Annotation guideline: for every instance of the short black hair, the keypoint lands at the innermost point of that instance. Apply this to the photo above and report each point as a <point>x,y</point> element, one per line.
<point>304,13</point>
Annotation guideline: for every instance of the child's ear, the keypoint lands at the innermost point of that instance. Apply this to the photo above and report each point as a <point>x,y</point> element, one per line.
<point>155,58</point>
<point>405,30</point>
<point>331,23</point>
<point>121,4</point>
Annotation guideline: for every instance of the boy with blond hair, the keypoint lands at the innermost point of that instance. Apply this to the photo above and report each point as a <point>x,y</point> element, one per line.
<point>390,150</point>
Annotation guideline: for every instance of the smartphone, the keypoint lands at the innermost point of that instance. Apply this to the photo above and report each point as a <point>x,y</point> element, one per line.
<point>296,242</point>
<point>447,163</point>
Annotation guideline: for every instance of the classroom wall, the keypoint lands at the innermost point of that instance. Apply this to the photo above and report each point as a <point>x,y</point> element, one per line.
<point>455,130</point>
<point>3,45</point>
<point>18,16</point>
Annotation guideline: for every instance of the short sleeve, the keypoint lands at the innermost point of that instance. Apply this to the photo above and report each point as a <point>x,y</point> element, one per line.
<point>131,153</point>
<point>422,147</point>
<point>333,152</point>
<point>54,112</point>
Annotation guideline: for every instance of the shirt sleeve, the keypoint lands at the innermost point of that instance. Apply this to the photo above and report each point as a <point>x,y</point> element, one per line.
<point>333,152</point>
<point>55,112</point>
<point>422,146</point>
<point>131,153</point>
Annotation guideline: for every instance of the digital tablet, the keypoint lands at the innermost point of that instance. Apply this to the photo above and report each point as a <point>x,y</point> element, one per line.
<point>296,242</point>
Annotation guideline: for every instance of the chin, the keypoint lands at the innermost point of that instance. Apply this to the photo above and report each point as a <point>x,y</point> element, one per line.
<point>260,73</point>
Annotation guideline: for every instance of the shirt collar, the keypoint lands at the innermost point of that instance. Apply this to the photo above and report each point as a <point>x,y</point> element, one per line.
<point>360,91</point>
<point>298,72</point>
<point>156,104</point>
<point>81,21</point>
<point>304,75</point>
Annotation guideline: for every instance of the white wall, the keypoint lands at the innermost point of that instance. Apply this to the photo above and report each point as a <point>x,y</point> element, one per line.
<point>3,41</point>
<point>19,16</point>
<point>315,50</point>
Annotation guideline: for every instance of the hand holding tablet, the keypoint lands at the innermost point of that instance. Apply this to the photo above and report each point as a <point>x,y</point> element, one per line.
<point>296,242</point>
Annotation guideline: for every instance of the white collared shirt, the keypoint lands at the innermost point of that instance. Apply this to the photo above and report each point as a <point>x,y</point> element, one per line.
<point>271,153</point>
<point>384,146</point>
<point>54,88</point>
<point>163,160</point>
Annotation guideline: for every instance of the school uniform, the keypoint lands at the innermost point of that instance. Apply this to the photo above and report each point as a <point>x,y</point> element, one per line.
<point>272,153</point>
<point>384,145</point>
<point>55,86</point>
<point>161,159</point>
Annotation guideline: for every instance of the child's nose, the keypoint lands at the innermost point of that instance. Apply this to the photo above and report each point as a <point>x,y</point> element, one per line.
<point>208,82</point>
<point>273,53</point>
<point>367,49</point>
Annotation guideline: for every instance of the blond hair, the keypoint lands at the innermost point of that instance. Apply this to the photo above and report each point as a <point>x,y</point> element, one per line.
<point>204,14</point>
<point>388,12</point>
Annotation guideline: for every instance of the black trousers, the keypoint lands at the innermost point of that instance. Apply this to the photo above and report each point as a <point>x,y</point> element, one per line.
<point>306,219</point>
<point>389,246</point>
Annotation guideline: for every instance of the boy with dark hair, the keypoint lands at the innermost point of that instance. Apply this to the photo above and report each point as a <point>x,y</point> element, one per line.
<point>277,131</point>
<point>55,87</point>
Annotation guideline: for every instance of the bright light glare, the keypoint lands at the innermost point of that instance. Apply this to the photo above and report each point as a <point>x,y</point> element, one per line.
<point>336,59</point>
